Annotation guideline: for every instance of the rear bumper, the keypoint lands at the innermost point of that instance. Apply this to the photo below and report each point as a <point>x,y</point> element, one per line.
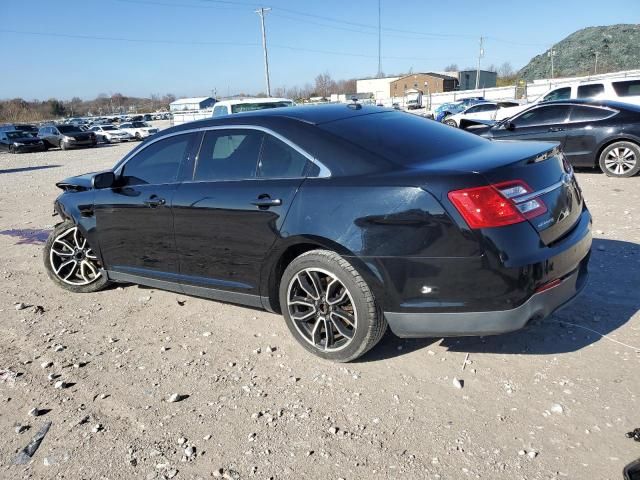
<point>452,324</point>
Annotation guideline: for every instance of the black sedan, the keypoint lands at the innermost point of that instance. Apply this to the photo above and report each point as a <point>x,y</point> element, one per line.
<point>342,218</point>
<point>18,142</point>
<point>591,133</point>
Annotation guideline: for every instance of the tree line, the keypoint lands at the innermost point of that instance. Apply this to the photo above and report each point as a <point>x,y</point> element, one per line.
<point>21,110</point>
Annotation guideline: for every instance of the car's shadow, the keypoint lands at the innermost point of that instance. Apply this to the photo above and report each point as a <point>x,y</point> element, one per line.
<point>27,169</point>
<point>610,300</point>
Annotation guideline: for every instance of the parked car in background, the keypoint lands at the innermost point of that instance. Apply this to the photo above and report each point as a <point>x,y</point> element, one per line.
<point>19,141</point>
<point>20,127</point>
<point>330,216</point>
<point>138,130</point>
<point>591,133</point>
<point>228,107</point>
<point>111,134</point>
<point>480,111</point>
<point>451,108</point>
<point>622,89</point>
<point>66,136</point>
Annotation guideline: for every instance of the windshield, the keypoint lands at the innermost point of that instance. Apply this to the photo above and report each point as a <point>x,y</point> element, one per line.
<point>68,129</point>
<point>109,127</point>
<point>248,107</point>
<point>14,135</point>
<point>139,124</point>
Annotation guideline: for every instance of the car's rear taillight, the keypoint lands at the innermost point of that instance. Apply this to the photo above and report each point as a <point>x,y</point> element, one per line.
<point>497,205</point>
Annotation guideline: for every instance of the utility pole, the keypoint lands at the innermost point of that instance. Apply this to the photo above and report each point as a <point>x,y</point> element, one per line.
<point>261,12</point>
<point>551,53</point>
<point>480,55</point>
<point>595,71</point>
<point>379,41</point>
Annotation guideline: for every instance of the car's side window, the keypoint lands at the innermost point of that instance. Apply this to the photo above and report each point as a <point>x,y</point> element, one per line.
<point>546,115</point>
<point>559,94</point>
<point>219,110</point>
<point>279,160</point>
<point>583,113</point>
<point>590,91</point>
<point>228,154</point>
<point>159,163</point>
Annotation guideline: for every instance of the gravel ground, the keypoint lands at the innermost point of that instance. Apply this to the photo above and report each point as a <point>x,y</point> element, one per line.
<point>551,401</point>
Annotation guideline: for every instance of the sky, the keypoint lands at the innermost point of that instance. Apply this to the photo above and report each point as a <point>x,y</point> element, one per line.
<point>84,48</point>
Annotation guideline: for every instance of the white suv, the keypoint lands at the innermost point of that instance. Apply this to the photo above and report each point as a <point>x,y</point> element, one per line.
<point>621,89</point>
<point>229,107</point>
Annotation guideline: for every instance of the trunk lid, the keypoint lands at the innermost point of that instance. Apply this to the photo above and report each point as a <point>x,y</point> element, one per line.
<point>542,167</point>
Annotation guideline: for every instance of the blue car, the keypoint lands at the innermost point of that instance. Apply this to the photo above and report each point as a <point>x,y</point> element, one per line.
<point>451,108</point>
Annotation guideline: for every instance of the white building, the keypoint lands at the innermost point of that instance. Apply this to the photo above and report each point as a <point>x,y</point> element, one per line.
<point>380,88</point>
<point>196,103</point>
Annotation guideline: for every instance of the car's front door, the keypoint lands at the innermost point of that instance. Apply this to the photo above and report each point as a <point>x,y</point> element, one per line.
<point>228,218</point>
<point>134,220</point>
<point>544,122</point>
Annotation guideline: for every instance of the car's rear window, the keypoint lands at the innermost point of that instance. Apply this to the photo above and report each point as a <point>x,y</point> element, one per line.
<point>403,138</point>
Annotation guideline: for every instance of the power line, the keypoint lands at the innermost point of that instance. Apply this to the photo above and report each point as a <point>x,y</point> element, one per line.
<point>197,42</point>
<point>373,29</point>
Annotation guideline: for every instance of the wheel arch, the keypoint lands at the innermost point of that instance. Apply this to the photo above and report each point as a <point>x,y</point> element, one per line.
<point>619,138</point>
<point>283,255</point>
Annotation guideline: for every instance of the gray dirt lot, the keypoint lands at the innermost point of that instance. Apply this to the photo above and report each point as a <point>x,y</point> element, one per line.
<point>273,414</point>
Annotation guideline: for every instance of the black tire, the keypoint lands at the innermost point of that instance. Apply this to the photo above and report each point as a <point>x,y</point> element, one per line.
<point>138,136</point>
<point>629,155</point>
<point>450,122</point>
<point>12,149</point>
<point>99,283</point>
<point>370,324</point>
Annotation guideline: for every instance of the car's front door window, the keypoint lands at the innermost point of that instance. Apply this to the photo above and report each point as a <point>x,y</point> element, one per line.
<point>559,94</point>
<point>157,164</point>
<point>546,115</point>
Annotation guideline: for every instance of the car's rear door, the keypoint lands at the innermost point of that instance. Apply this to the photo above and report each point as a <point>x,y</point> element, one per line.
<point>228,218</point>
<point>587,128</point>
<point>134,220</point>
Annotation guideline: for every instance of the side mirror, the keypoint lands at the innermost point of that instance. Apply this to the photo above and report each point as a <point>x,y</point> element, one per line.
<point>509,126</point>
<point>103,180</point>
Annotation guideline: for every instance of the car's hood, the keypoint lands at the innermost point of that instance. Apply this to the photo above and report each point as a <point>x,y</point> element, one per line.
<point>479,127</point>
<point>79,182</point>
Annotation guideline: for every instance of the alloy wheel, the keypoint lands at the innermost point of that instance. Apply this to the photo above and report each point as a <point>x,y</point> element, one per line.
<point>322,309</point>
<point>620,160</point>
<point>72,259</point>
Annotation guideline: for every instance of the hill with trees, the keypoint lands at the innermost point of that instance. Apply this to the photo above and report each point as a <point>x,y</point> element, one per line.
<point>614,46</point>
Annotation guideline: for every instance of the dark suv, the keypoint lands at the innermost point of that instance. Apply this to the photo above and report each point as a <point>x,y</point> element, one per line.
<point>66,136</point>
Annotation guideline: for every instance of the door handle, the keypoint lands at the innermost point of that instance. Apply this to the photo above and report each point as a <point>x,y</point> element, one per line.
<point>265,201</point>
<point>556,129</point>
<point>154,201</point>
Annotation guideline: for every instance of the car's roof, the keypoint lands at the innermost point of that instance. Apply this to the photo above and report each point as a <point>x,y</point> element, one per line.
<point>314,114</point>
<point>590,101</point>
<point>237,101</point>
